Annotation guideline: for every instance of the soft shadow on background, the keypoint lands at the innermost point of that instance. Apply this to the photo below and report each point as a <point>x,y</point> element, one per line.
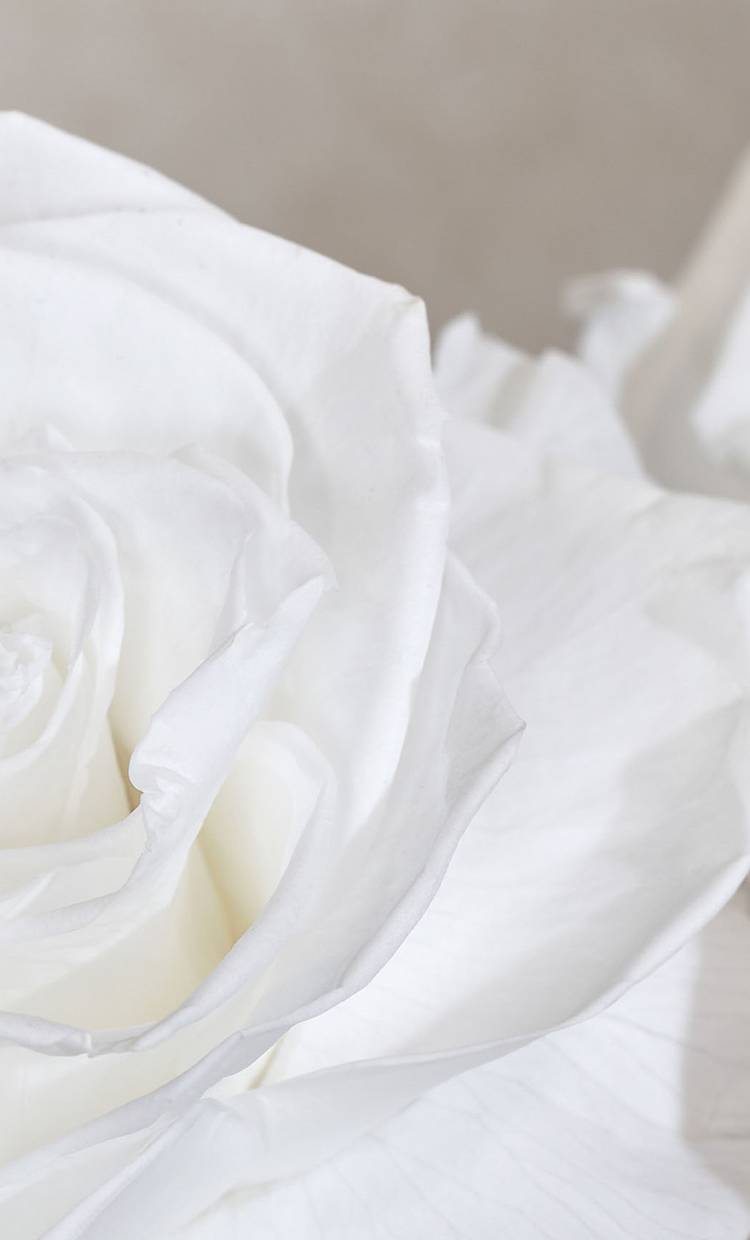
<point>477,151</point>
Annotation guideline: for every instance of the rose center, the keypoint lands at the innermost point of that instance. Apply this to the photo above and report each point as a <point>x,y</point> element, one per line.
<point>24,660</point>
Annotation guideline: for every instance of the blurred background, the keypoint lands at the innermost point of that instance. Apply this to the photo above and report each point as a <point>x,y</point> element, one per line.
<point>478,151</point>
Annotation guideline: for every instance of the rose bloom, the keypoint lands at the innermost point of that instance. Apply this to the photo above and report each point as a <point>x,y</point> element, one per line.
<point>300,936</point>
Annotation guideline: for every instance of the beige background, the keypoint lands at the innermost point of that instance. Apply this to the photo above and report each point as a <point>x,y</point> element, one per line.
<point>479,152</point>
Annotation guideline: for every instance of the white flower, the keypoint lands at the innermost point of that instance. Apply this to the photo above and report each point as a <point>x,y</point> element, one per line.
<point>250,703</point>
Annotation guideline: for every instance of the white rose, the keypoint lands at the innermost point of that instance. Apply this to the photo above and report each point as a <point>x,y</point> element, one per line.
<point>250,700</point>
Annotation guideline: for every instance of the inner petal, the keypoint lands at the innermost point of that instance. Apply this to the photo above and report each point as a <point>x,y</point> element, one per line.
<point>25,659</point>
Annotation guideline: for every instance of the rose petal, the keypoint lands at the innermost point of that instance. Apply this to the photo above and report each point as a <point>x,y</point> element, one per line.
<point>50,175</point>
<point>344,938</point>
<point>633,1123</point>
<point>551,401</point>
<point>187,326</point>
<point>259,327</point>
<point>60,588</point>
<point>622,825</point>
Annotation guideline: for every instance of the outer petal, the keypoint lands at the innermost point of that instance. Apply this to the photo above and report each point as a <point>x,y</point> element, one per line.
<point>634,1123</point>
<point>552,401</point>
<point>50,176</point>
<point>623,824</point>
